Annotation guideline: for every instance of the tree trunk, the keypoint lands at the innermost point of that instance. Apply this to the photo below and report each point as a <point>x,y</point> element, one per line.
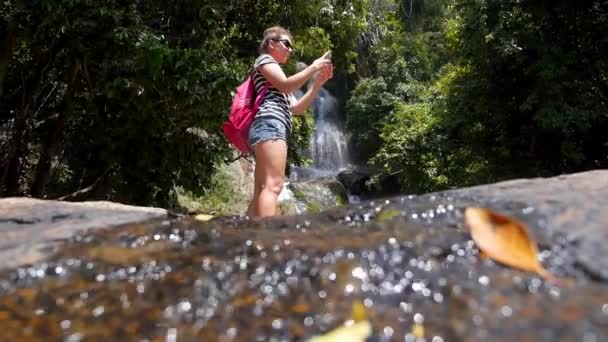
<point>51,146</point>
<point>10,177</point>
<point>7,43</point>
<point>9,180</point>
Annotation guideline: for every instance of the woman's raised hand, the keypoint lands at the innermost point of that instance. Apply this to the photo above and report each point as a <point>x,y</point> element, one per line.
<point>322,61</point>
<point>324,75</point>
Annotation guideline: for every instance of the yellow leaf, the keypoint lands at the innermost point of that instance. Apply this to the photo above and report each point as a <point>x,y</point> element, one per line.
<point>504,239</point>
<point>387,215</point>
<point>356,332</point>
<point>203,217</point>
<point>418,330</point>
<point>358,311</point>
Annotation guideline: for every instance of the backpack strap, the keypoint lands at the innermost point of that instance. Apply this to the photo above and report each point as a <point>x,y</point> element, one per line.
<point>242,155</point>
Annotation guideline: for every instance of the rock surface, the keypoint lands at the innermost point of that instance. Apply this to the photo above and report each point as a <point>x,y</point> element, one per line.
<point>29,227</point>
<point>408,261</point>
<point>573,207</point>
<point>311,196</point>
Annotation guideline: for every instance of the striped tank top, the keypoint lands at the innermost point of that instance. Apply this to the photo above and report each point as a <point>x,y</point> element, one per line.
<point>276,104</point>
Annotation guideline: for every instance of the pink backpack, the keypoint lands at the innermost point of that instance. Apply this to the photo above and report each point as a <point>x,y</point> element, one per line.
<point>245,105</point>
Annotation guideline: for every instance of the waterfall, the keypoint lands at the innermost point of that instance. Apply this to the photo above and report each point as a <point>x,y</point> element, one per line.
<point>328,147</point>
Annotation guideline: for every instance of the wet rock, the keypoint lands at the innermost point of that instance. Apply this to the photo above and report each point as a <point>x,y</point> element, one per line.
<point>312,196</point>
<point>355,181</point>
<point>573,209</point>
<point>409,260</point>
<point>29,228</point>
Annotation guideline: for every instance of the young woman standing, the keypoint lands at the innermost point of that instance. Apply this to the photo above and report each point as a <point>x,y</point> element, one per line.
<point>271,126</point>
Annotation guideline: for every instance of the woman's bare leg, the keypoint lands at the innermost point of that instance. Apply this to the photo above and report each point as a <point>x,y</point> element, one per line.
<point>257,185</point>
<point>270,162</point>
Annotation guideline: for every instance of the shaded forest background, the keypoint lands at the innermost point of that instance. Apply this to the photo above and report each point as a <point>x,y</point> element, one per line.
<point>124,100</point>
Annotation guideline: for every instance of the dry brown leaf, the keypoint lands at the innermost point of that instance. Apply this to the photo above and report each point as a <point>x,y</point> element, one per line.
<point>300,308</point>
<point>504,239</point>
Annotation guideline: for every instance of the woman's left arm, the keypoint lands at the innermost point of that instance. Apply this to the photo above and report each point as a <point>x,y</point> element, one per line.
<point>299,106</point>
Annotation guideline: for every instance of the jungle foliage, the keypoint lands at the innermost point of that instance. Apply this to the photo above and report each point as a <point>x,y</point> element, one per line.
<point>124,100</point>
<point>463,92</point>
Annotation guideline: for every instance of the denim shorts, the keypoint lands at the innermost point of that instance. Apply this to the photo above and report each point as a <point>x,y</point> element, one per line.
<point>263,129</point>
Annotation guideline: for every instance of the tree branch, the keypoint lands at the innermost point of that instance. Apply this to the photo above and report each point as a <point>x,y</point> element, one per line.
<point>85,190</point>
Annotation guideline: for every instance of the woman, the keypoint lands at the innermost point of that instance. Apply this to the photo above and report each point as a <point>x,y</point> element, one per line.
<point>271,126</point>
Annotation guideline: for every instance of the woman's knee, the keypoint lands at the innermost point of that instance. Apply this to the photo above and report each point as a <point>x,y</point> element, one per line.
<point>274,183</point>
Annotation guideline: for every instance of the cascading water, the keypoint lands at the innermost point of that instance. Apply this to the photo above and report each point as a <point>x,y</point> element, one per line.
<point>328,151</point>
<point>328,147</point>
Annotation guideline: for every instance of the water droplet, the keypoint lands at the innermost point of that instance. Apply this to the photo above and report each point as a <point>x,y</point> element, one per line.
<point>322,294</point>
<point>388,331</point>
<point>77,337</point>
<point>368,302</point>
<point>442,282</point>
<point>418,318</point>
<point>65,324</point>
<point>437,339</point>
<point>417,286</point>
<point>438,297</point>
<point>406,307</point>
<point>100,278</point>
<point>171,335</point>
<point>484,280</point>
<point>359,272</point>
<point>309,321</point>
<point>506,311</point>
<point>184,306</point>
<point>98,311</point>
<point>555,292</point>
<point>528,210</point>
<point>277,324</point>
<point>232,332</point>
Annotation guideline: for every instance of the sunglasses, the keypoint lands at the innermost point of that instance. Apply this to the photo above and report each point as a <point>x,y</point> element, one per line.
<point>285,42</point>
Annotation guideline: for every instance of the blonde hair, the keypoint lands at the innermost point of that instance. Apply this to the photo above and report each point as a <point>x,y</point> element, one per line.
<point>273,33</point>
